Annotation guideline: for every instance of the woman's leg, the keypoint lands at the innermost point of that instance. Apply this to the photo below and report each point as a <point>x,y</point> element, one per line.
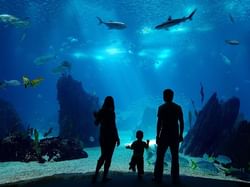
<point>99,164</point>
<point>108,157</point>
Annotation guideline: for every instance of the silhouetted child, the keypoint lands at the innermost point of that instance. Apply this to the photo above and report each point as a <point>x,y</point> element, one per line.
<point>137,158</point>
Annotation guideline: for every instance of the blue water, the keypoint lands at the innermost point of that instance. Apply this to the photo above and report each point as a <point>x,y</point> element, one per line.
<point>135,64</point>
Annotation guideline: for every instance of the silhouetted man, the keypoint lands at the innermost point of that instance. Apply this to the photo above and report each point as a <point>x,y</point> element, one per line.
<point>168,135</point>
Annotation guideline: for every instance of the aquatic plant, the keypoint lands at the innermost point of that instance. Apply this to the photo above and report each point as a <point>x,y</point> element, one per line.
<point>36,142</point>
<point>193,165</point>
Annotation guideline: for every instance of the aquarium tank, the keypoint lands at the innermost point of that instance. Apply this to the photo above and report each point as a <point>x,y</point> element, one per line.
<point>59,59</point>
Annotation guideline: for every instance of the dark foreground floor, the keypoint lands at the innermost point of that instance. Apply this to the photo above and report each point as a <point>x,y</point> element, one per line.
<point>120,179</point>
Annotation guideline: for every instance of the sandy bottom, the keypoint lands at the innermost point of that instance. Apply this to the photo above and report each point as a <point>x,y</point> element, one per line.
<point>12,172</point>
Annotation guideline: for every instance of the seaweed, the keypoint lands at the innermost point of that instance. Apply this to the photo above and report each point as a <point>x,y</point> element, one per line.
<point>36,142</point>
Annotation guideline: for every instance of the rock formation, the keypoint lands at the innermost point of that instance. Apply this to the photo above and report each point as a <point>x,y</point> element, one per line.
<point>76,111</point>
<point>216,132</point>
<point>20,147</point>
<point>10,122</point>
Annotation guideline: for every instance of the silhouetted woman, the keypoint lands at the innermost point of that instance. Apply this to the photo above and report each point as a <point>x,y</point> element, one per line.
<point>108,136</point>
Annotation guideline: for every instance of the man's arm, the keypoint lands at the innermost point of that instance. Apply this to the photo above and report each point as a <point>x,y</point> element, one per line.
<point>158,130</point>
<point>181,125</point>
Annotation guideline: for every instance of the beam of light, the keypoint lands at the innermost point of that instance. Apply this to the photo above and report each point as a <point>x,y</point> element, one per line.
<point>113,51</point>
<point>78,55</point>
<point>165,53</point>
<point>158,64</point>
<point>142,53</point>
<point>179,29</point>
<point>146,30</point>
<point>204,28</point>
<point>190,9</point>
<point>99,57</point>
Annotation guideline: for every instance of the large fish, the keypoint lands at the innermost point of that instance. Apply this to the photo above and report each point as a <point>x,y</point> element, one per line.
<point>12,20</point>
<point>63,68</point>
<point>44,59</point>
<point>172,22</point>
<point>232,42</point>
<point>8,83</point>
<point>12,83</point>
<point>113,24</point>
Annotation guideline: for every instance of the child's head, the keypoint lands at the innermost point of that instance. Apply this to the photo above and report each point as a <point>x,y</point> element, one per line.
<point>139,135</point>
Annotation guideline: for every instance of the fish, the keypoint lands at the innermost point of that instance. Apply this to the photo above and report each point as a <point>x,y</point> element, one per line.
<point>12,83</point>
<point>232,42</point>
<point>48,132</point>
<point>231,18</point>
<point>172,22</point>
<point>207,167</point>
<point>23,37</point>
<point>8,19</point>
<point>91,138</point>
<point>9,83</point>
<point>63,68</point>
<point>44,59</point>
<point>202,93</point>
<point>193,165</point>
<point>225,59</point>
<point>222,159</point>
<point>113,24</point>
<point>36,81</point>
<point>31,83</point>
<point>26,81</point>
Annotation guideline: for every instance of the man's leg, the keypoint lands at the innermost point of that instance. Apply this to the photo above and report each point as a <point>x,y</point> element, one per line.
<point>158,171</point>
<point>174,149</point>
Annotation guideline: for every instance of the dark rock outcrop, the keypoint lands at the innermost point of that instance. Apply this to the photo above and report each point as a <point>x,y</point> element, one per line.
<point>60,149</point>
<point>215,132</point>
<point>20,147</point>
<point>10,122</point>
<point>213,123</point>
<point>76,112</point>
<point>237,145</point>
<point>15,147</point>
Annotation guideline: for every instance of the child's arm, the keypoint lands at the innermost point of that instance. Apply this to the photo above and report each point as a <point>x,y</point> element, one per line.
<point>147,145</point>
<point>128,147</point>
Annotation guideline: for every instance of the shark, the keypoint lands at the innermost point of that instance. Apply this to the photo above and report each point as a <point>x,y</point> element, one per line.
<point>172,22</point>
<point>113,24</point>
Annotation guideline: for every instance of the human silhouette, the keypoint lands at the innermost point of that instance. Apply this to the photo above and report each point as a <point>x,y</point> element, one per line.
<point>137,158</point>
<point>108,136</point>
<point>170,128</point>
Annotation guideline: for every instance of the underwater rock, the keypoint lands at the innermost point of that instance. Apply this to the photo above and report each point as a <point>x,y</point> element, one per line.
<point>213,125</point>
<point>10,122</point>
<point>217,132</point>
<point>237,145</point>
<point>16,147</point>
<point>76,111</point>
<point>20,147</point>
<point>58,149</point>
